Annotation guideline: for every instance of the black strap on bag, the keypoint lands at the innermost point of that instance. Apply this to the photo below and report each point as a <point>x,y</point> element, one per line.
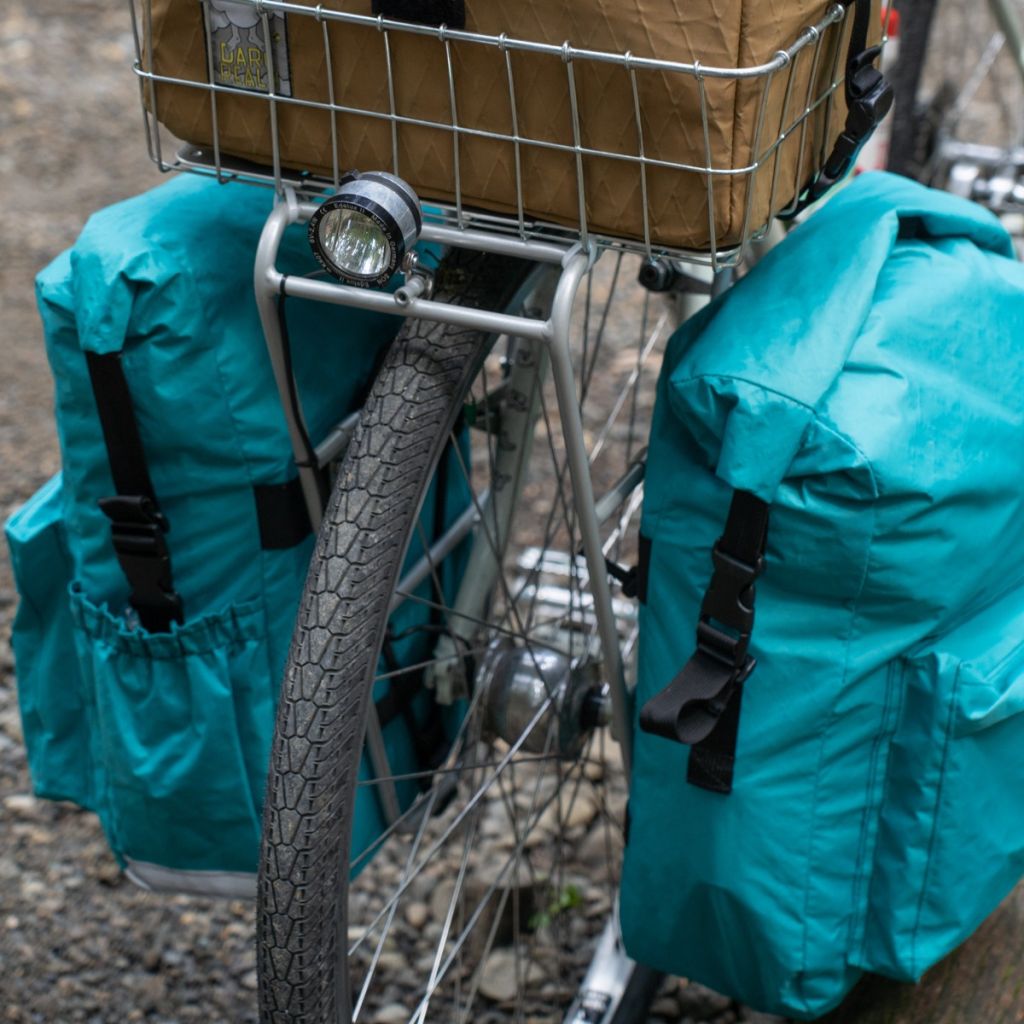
<point>701,706</point>
<point>451,13</point>
<point>137,526</point>
<point>868,99</point>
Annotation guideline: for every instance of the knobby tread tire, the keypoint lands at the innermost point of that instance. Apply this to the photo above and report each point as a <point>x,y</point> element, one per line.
<point>321,719</point>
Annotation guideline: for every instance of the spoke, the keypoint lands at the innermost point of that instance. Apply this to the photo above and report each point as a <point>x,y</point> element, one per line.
<point>391,916</point>
<point>631,381</point>
<point>528,638</point>
<point>395,673</point>
<point>450,762</point>
<point>458,769</point>
<point>501,575</point>
<point>491,889</point>
<point>455,823</point>
<point>970,87</point>
<point>588,372</point>
<point>449,916</point>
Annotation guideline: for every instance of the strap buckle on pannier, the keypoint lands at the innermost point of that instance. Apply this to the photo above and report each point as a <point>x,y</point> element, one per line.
<point>729,600</point>
<point>869,97</point>
<point>700,706</point>
<point>137,529</point>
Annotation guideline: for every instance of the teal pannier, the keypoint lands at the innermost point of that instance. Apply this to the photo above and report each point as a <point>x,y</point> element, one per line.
<point>831,779</point>
<point>162,725</point>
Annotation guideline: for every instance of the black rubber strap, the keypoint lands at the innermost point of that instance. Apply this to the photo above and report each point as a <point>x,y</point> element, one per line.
<point>137,526</point>
<point>713,759</point>
<point>858,38</point>
<point>643,568</point>
<point>700,706</point>
<point>424,12</point>
<point>282,515</point>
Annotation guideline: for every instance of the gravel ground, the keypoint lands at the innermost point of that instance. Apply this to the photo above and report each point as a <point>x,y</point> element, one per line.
<point>77,941</point>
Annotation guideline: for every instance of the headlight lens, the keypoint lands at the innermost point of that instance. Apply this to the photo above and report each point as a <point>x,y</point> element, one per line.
<point>361,234</point>
<point>353,242</point>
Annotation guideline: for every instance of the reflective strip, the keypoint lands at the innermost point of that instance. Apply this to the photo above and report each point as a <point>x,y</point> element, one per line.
<point>235,885</point>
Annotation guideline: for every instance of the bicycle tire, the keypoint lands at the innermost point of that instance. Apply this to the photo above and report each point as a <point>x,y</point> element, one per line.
<point>402,433</point>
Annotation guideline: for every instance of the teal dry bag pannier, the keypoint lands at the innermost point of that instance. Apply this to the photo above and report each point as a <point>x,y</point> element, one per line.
<point>160,572</point>
<point>830,778</point>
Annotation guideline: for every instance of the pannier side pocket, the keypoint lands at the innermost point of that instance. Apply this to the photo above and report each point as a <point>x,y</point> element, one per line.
<point>954,796</point>
<point>57,710</point>
<point>183,730</point>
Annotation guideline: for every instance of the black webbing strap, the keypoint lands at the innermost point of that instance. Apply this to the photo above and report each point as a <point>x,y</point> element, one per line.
<point>424,12</point>
<point>868,99</point>
<point>282,514</point>
<point>137,526</point>
<point>700,707</point>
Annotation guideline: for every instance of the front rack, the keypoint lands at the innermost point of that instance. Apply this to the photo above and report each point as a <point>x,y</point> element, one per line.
<point>677,180</point>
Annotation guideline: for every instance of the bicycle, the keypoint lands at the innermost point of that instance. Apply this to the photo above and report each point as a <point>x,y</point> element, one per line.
<point>505,341</point>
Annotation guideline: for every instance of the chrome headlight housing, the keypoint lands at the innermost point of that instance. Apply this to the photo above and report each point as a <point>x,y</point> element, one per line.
<point>361,234</point>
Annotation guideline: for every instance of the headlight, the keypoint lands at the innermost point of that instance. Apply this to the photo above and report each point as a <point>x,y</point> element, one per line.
<point>361,234</point>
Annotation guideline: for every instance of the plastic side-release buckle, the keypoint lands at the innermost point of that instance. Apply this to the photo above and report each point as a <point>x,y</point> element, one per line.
<point>728,602</point>
<point>137,529</point>
<point>869,98</point>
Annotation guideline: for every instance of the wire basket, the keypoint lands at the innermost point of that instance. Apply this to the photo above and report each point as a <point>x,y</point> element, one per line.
<point>541,140</point>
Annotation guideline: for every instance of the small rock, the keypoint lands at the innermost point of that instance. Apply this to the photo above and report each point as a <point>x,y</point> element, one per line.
<point>567,813</point>
<point>108,872</point>
<point>600,845</point>
<point>391,962</point>
<point>701,1002</point>
<point>417,915</point>
<point>249,980</point>
<point>33,888</point>
<point>393,1013</point>
<point>152,991</point>
<point>172,958</point>
<point>10,724</point>
<point>666,1006</point>
<point>440,899</point>
<point>24,806</point>
<point>498,976</point>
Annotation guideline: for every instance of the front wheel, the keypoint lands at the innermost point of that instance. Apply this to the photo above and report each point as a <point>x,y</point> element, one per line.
<point>490,863</point>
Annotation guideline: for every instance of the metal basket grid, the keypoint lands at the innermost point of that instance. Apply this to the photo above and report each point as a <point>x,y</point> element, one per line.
<point>796,111</point>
